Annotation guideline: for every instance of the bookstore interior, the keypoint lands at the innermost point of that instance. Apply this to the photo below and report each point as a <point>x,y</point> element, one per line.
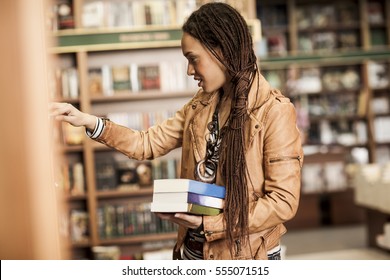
<point>121,59</point>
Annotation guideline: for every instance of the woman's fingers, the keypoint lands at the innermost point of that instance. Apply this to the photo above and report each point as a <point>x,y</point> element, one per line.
<point>66,112</point>
<point>57,109</point>
<point>189,221</point>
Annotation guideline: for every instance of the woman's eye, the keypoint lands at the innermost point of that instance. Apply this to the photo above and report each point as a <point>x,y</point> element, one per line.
<point>192,59</point>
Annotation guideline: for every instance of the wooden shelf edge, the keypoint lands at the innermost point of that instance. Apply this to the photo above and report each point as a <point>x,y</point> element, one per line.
<point>328,57</point>
<point>138,238</point>
<point>141,191</point>
<point>140,96</point>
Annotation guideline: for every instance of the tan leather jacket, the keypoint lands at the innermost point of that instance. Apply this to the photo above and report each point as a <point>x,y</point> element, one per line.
<point>273,153</point>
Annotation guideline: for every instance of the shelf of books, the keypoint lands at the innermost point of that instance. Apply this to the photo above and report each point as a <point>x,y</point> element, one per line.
<point>120,59</point>
<point>332,59</point>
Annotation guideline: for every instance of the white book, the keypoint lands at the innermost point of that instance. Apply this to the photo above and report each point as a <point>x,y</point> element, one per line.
<point>93,14</point>
<point>187,185</point>
<point>107,80</point>
<point>73,83</point>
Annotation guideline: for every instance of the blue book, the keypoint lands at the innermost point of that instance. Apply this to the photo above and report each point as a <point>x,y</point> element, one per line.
<point>187,185</point>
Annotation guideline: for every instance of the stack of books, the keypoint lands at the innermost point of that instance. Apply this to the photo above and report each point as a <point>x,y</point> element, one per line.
<point>188,196</point>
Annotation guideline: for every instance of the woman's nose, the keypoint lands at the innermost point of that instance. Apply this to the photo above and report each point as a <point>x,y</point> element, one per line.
<point>190,70</point>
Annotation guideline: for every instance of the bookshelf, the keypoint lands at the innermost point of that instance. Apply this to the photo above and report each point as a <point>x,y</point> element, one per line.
<point>332,59</point>
<point>98,65</point>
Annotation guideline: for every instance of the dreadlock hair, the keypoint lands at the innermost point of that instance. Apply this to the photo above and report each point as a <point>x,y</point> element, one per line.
<point>224,32</point>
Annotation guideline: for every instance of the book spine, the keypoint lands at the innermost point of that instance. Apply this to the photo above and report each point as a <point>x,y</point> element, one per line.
<point>205,200</point>
<point>203,210</point>
<point>206,189</point>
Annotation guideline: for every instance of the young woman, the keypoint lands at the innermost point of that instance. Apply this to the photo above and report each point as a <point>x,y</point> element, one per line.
<point>236,131</point>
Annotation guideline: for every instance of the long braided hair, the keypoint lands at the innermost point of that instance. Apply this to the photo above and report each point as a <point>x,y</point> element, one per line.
<point>224,32</point>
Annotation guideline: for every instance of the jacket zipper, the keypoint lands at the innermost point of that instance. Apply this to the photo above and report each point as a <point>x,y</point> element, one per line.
<point>208,233</point>
<point>286,158</point>
<point>238,247</point>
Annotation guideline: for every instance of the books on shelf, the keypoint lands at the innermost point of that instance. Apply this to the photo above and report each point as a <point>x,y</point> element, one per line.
<point>116,172</point>
<point>309,81</point>
<point>78,179</point>
<point>338,78</point>
<point>107,89</point>
<point>65,15</point>
<point>305,43</point>
<point>380,105</point>
<point>382,154</point>
<point>317,23</point>
<point>95,81</point>
<point>164,76</point>
<point>72,135</point>
<point>140,120</point>
<point>348,40</point>
<point>381,129</point>
<point>189,196</point>
<point>173,76</point>
<point>106,252</point>
<point>133,13</point>
<point>93,14</point>
<point>323,15</point>
<point>126,173</point>
<point>375,12</point>
<point>273,15</point>
<point>348,13</point>
<point>69,83</point>
<point>324,41</point>
<point>148,77</point>
<point>378,75</point>
<point>79,230</point>
<point>121,79</point>
<point>277,44</point>
<point>313,178</point>
<point>276,78</point>
<point>303,17</point>
<point>105,172</point>
<point>133,174</point>
<point>335,176</point>
<point>129,219</point>
<point>71,178</point>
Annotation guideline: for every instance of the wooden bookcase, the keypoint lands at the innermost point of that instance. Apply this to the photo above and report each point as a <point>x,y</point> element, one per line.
<point>80,48</point>
<point>355,36</point>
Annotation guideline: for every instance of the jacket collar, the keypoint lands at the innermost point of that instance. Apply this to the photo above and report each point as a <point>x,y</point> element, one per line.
<point>259,94</point>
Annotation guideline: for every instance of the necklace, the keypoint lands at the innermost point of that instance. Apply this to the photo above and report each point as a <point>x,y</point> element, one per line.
<point>206,168</point>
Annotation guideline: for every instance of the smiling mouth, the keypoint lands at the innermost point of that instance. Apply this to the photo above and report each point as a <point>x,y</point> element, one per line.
<point>200,82</point>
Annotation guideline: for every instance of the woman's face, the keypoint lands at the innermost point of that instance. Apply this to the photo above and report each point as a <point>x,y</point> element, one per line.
<point>203,65</point>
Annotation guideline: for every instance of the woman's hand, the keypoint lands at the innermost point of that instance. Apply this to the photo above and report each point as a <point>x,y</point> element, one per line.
<point>68,113</point>
<point>188,221</point>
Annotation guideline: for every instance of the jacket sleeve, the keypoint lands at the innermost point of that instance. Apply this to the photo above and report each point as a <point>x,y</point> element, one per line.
<point>156,141</point>
<point>283,159</point>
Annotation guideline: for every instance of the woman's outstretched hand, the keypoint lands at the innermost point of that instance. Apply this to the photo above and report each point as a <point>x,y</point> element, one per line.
<point>68,113</point>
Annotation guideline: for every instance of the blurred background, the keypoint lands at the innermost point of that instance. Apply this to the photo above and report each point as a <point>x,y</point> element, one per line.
<point>63,196</point>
